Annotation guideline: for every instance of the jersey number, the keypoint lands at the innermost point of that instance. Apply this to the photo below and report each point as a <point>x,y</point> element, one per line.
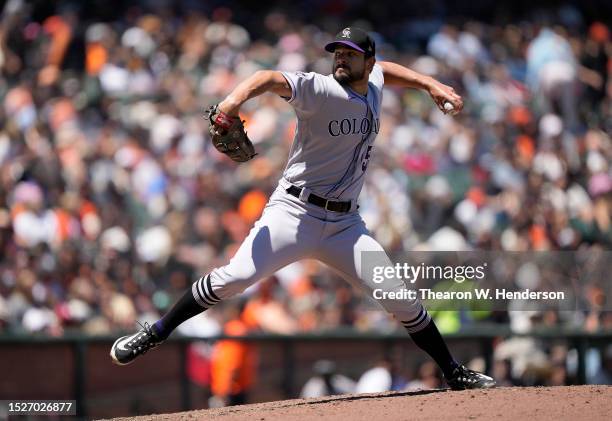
<point>364,165</point>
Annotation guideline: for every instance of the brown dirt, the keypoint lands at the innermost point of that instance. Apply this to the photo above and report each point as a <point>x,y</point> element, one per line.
<point>514,403</point>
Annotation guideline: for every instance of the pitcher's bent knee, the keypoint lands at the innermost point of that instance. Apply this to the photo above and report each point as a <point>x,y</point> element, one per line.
<point>226,285</point>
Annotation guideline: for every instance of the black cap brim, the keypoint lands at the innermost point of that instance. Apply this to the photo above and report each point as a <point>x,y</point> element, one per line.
<point>331,47</point>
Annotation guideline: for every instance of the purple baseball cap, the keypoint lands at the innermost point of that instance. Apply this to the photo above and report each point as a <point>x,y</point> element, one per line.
<point>355,38</point>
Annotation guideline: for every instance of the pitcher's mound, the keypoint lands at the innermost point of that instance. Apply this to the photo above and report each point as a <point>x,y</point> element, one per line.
<point>513,403</point>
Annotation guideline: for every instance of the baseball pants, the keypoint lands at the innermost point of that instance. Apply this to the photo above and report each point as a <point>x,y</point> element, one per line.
<point>290,230</point>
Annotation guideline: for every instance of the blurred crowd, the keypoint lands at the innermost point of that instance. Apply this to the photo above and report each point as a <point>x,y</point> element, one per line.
<point>554,366</point>
<point>515,362</point>
<point>112,199</point>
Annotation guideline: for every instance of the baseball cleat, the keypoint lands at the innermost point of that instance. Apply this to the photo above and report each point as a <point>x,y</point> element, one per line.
<point>127,348</point>
<point>464,378</point>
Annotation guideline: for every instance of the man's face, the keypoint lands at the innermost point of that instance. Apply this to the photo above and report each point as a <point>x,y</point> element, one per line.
<point>349,65</point>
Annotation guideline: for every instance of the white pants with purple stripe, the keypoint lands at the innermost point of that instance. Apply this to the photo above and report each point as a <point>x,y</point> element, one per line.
<point>290,230</point>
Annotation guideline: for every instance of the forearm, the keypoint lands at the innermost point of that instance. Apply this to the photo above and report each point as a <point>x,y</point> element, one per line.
<point>262,81</point>
<point>398,75</point>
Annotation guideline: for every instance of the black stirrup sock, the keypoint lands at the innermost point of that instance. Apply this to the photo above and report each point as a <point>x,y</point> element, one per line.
<point>197,299</point>
<point>430,341</point>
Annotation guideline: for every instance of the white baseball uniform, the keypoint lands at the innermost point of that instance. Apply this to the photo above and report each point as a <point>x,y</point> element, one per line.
<point>336,128</point>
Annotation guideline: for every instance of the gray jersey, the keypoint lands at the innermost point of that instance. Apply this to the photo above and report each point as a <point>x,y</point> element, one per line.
<point>336,128</point>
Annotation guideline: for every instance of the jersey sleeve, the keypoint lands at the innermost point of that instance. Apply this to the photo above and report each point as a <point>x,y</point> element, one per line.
<point>308,91</point>
<point>376,77</point>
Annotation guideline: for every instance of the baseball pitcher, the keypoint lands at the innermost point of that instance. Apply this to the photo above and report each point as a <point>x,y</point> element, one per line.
<point>313,211</point>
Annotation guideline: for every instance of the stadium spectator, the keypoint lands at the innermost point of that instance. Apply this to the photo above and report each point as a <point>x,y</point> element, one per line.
<point>428,377</point>
<point>233,363</point>
<point>376,379</point>
<point>604,375</point>
<point>326,381</point>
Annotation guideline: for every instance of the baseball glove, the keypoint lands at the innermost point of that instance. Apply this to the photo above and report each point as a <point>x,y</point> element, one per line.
<point>228,135</point>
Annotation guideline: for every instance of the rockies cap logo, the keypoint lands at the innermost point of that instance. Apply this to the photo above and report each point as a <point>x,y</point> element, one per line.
<point>346,33</point>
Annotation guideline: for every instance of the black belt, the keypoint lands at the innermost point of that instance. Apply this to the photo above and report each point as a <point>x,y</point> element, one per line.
<point>329,205</point>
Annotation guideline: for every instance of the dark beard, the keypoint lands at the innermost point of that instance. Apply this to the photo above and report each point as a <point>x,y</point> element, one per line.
<point>346,79</point>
